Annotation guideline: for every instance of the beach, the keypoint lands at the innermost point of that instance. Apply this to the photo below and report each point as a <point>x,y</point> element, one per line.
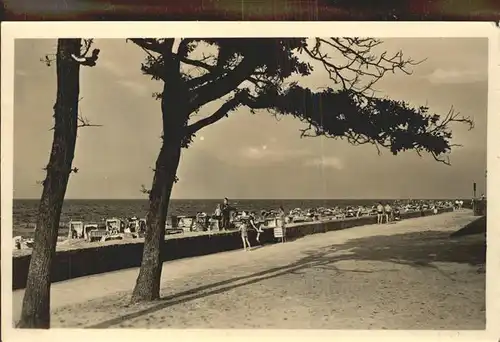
<point>407,275</point>
<point>25,211</point>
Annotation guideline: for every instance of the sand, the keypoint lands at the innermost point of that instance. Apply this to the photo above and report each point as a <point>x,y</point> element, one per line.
<point>407,275</point>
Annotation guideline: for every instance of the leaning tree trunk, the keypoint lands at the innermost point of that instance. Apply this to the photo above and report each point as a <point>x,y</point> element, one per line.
<point>36,303</point>
<point>147,287</point>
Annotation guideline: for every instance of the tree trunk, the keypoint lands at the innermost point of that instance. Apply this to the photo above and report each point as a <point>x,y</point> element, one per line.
<point>147,287</point>
<point>36,303</point>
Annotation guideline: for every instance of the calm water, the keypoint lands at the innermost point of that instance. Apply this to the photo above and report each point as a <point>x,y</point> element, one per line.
<point>25,211</point>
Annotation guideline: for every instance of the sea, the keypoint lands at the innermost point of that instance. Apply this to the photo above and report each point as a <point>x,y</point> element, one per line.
<point>25,210</point>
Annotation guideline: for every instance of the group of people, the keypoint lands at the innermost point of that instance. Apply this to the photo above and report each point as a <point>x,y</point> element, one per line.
<point>458,205</point>
<point>247,222</point>
<point>384,212</point>
<point>223,214</point>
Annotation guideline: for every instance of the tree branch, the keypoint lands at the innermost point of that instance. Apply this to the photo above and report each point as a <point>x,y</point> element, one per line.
<point>394,125</point>
<point>148,44</point>
<point>224,85</point>
<point>214,72</point>
<point>361,64</point>
<point>184,48</point>
<point>87,44</point>
<point>212,76</point>
<point>87,60</point>
<point>84,122</point>
<point>144,190</point>
<point>48,60</point>
<point>198,64</point>
<point>82,58</point>
<point>157,66</point>
<point>222,112</point>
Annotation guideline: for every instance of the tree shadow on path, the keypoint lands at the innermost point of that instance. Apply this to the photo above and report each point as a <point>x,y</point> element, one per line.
<point>475,227</point>
<point>418,249</point>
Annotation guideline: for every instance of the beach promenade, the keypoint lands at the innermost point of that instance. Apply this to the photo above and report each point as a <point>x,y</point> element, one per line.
<point>406,275</point>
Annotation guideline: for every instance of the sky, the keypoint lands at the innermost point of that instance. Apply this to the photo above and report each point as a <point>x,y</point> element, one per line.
<point>247,155</point>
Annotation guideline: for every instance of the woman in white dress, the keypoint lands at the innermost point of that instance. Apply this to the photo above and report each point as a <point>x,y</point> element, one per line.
<point>280,230</point>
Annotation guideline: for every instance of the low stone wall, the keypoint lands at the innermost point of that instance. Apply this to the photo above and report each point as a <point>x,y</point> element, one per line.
<point>100,259</point>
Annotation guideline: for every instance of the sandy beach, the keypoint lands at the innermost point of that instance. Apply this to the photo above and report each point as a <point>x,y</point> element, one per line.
<point>407,275</point>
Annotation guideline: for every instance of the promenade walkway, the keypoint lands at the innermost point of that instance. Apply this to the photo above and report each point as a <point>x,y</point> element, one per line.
<point>407,275</point>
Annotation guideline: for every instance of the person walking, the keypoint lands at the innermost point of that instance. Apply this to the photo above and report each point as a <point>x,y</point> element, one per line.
<point>243,228</point>
<point>253,224</point>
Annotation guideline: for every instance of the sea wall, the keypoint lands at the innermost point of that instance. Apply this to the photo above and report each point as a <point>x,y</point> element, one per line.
<point>100,259</point>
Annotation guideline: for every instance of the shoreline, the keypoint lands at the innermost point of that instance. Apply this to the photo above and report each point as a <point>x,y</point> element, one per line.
<point>79,244</point>
<point>86,211</point>
<point>103,257</point>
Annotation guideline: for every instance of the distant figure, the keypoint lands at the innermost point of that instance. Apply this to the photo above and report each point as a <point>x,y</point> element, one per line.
<point>218,211</point>
<point>142,226</point>
<point>359,211</point>
<point>17,241</point>
<point>380,213</point>
<point>218,215</point>
<point>280,230</point>
<point>243,228</point>
<point>388,213</point>
<point>253,224</point>
<point>198,222</point>
<point>226,214</point>
<point>397,214</point>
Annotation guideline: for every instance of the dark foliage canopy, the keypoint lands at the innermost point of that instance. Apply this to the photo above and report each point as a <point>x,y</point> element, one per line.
<point>262,74</point>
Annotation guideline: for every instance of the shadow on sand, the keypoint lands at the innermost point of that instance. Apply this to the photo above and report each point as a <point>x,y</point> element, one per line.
<point>475,227</point>
<point>419,249</point>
